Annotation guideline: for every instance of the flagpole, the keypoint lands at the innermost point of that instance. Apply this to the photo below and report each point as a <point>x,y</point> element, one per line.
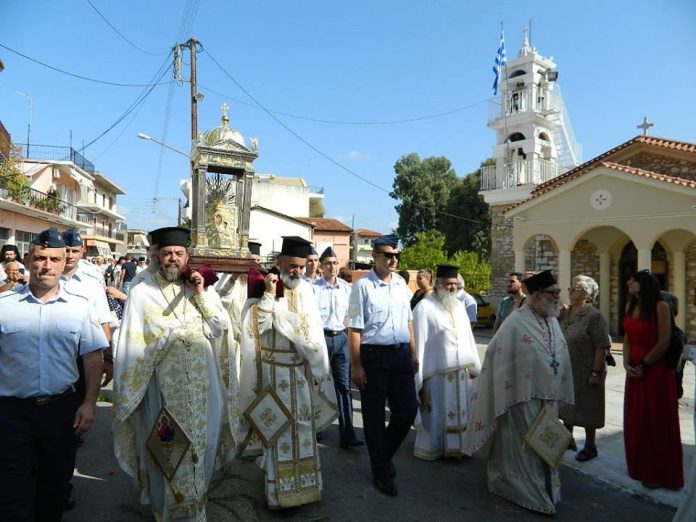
<point>504,104</point>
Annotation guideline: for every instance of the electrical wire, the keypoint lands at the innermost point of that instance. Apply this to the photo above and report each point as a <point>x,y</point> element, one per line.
<point>319,151</point>
<point>79,76</point>
<point>138,100</point>
<point>119,32</point>
<point>165,131</point>
<point>348,122</point>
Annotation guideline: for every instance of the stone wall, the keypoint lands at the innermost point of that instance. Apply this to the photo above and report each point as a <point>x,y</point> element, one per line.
<point>663,164</point>
<point>584,260</point>
<point>541,255</point>
<point>690,306</point>
<point>502,251</point>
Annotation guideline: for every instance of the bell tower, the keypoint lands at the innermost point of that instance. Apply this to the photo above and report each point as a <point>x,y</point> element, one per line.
<point>534,143</point>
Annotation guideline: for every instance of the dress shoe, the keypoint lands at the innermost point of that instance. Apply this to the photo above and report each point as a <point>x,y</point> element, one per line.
<point>386,486</point>
<point>351,444</point>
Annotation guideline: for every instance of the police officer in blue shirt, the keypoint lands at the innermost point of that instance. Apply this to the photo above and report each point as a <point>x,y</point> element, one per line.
<point>333,294</point>
<point>43,328</point>
<point>383,358</point>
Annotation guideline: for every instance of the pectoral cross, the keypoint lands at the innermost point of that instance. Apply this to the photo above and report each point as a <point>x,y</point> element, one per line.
<point>554,364</point>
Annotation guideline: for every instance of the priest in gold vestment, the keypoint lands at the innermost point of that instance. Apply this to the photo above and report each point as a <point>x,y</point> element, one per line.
<point>169,355</point>
<point>284,356</point>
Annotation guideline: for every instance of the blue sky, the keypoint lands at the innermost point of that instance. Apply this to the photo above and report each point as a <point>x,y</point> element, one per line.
<point>361,61</point>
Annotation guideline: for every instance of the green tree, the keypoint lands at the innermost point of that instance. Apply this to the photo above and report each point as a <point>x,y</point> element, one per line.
<point>423,187</point>
<point>475,271</point>
<point>427,251</point>
<point>472,234</point>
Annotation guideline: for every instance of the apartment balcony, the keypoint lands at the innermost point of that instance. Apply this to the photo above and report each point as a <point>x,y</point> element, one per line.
<point>28,201</point>
<point>513,175</point>
<point>52,152</point>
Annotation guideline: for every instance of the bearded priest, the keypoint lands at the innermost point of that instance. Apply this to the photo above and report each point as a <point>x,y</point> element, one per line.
<point>171,425</point>
<point>526,373</point>
<point>286,391</point>
<point>449,361</point>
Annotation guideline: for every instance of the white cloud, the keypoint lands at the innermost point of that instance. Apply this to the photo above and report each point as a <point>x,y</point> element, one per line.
<point>356,155</point>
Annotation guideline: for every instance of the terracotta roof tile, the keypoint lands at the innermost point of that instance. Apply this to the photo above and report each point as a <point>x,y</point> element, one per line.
<point>326,224</point>
<point>367,232</point>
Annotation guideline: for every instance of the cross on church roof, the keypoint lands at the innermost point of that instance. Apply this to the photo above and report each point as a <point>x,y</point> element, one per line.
<point>645,125</point>
<point>224,108</point>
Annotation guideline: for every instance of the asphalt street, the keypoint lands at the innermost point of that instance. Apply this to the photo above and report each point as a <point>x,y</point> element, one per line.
<point>443,490</point>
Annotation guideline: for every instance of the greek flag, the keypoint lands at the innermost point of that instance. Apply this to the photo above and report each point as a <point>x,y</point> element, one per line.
<point>500,61</point>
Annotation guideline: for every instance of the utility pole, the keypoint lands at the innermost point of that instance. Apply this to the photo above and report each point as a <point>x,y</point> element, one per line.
<point>192,44</point>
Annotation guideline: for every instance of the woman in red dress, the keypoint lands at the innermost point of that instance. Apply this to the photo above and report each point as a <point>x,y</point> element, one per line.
<point>651,419</point>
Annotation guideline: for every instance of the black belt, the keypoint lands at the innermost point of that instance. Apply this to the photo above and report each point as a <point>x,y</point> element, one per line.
<point>42,400</point>
<point>383,346</point>
<point>333,333</point>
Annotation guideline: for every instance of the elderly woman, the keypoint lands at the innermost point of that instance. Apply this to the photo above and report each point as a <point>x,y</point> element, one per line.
<point>587,334</point>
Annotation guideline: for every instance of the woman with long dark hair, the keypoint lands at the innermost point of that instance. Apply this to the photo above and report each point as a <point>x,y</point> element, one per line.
<point>651,419</point>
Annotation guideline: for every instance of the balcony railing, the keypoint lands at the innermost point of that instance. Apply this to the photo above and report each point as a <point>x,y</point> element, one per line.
<point>52,152</point>
<point>36,199</point>
<point>512,175</point>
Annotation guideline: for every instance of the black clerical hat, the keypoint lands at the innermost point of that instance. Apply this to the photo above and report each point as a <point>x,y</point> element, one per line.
<point>49,238</point>
<point>170,236</point>
<point>390,240</point>
<point>295,246</point>
<point>329,252</point>
<point>447,271</point>
<point>539,281</point>
<point>255,248</point>
<point>72,238</point>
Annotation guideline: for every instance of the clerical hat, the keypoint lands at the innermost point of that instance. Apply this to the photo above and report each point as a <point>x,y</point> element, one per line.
<point>390,240</point>
<point>170,236</point>
<point>72,238</point>
<point>49,238</point>
<point>539,281</point>
<point>329,252</point>
<point>255,248</point>
<point>295,246</point>
<point>447,271</point>
<point>7,248</point>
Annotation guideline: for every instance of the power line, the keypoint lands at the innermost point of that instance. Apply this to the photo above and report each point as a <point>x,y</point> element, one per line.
<point>121,34</point>
<point>79,76</point>
<point>138,100</point>
<point>319,151</point>
<point>355,122</point>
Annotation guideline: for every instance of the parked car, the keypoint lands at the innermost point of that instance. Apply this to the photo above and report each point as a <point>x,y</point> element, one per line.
<point>485,313</point>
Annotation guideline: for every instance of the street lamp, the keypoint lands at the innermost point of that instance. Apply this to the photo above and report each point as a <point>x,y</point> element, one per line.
<point>144,136</point>
<point>27,97</point>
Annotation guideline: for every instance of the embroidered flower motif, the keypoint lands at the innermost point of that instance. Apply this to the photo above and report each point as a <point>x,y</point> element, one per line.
<point>527,339</point>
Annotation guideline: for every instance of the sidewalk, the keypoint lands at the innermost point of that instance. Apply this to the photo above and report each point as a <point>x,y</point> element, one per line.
<point>610,464</point>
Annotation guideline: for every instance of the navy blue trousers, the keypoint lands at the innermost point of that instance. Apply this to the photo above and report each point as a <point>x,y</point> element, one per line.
<point>389,374</point>
<point>337,347</point>
<point>36,447</point>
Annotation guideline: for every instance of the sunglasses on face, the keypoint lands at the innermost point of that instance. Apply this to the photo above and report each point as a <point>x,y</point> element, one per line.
<point>391,255</point>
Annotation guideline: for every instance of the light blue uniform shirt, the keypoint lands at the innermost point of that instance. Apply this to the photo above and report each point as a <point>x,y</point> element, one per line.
<point>333,302</point>
<point>84,284</point>
<point>40,342</point>
<point>382,311</point>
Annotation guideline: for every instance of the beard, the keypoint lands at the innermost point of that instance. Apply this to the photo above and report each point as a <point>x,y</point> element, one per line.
<point>447,299</point>
<point>551,309</point>
<point>290,281</point>
<point>170,272</point>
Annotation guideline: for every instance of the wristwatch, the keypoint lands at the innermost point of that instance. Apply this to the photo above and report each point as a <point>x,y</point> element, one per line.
<point>597,373</point>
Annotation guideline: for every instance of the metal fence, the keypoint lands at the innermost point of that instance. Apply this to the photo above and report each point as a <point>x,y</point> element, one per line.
<point>52,152</point>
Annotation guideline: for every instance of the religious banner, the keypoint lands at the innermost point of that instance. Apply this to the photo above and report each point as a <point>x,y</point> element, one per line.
<point>548,437</point>
<point>167,443</point>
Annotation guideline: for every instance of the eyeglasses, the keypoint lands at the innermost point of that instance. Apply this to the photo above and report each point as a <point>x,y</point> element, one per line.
<point>554,293</point>
<point>390,255</point>
<point>575,289</point>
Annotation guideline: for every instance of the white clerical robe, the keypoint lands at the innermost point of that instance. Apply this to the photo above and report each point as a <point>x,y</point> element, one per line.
<point>449,358</point>
<point>168,354</point>
<point>283,347</point>
<point>524,369</point>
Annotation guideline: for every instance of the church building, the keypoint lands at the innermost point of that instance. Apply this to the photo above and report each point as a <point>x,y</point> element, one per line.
<point>630,208</point>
